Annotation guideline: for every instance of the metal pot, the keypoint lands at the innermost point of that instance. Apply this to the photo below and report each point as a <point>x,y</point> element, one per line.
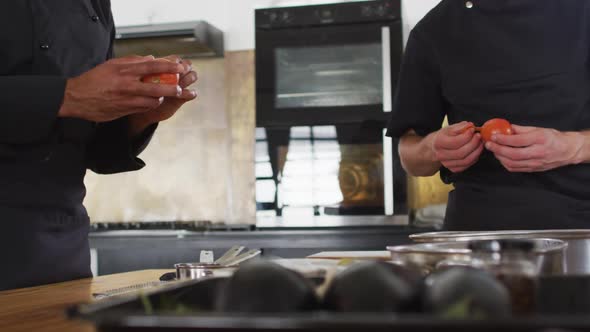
<point>577,253</point>
<point>549,255</point>
<point>224,266</point>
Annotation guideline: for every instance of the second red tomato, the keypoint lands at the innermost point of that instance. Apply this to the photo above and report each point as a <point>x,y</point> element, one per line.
<point>495,126</point>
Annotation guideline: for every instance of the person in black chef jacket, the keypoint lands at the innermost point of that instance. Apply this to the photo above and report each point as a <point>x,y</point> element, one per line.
<point>65,108</point>
<point>526,61</point>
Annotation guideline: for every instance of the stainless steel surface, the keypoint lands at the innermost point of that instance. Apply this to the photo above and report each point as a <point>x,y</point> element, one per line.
<point>577,254</point>
<point>189,271</point>
<point>128,289</point>
<point>388,174</point>
<point>187,39</point>
<point>243,257</point>
<point>386,54</point>
<point>549,254</point>
<point>332,221</point>
<point>231,253</point>
<point>224,266</point>
<point>122,251</point>
<point>206,256</point>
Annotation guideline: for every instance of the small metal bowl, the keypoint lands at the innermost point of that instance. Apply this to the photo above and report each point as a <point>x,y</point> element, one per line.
<point>189,271</point>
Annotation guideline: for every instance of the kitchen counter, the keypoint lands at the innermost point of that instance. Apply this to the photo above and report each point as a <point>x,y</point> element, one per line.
<point>43,308</point>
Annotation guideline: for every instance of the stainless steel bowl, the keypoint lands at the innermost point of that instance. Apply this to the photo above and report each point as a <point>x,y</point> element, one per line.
<point>577,253</point>
<point>548,254</point>
<point>187,271</point>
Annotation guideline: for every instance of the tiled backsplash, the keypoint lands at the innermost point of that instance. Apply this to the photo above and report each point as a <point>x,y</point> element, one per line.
<point>199,163</point>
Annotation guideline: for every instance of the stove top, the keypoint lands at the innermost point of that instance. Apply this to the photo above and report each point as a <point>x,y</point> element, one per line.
<point>195,226</point>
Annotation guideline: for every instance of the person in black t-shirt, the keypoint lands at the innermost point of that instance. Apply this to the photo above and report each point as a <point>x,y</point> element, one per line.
<point>523,60</point>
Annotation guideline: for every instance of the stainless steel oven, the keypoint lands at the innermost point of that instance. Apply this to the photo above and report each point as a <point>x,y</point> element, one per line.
<point>327,64</point>
<point>325,77</point>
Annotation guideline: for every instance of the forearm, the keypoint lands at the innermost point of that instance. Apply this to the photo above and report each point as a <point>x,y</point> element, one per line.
<point>417,155</point>
<point>580,141</point>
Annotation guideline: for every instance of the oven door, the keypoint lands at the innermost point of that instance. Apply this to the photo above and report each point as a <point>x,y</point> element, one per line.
<point>326,74</point>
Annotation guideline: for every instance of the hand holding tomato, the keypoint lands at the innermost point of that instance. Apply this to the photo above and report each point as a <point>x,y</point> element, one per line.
<point>114,89</point>
<point>457,147</point>
<point>533,149</point>
<point>169,105</point>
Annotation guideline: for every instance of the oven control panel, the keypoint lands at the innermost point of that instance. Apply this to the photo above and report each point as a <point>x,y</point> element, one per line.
<point>330,14</point>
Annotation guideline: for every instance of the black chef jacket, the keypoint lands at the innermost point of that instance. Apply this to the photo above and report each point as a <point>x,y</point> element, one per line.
<point>523,60</point>
<point>43,158</point>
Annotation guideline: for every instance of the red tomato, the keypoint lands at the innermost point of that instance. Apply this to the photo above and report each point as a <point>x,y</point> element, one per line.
<point>495,126</point>
<point>161,79</point>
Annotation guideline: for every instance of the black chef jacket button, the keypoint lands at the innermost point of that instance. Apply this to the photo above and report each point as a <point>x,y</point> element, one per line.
<point>94,18</point>
<point>44,46</point>
<point>469,4</point>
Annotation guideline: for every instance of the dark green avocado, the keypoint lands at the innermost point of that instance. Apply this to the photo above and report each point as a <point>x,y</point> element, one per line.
<point>465,293</point>
<point>266,287</point>
<point>369,287</point>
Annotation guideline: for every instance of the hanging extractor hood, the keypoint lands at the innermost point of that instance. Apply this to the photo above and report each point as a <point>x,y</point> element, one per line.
<point>187,39</point>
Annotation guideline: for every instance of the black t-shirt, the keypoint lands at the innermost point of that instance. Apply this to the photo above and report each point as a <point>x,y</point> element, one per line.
<point>523,60</point>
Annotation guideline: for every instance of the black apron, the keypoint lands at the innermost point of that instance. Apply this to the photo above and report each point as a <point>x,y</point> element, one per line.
<point>43,159</point>
<point>488,208</point>
<point>43,246</point>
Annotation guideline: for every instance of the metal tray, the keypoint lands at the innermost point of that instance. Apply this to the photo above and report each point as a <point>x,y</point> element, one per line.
<point>548,254</point>
<point>127,313</point>
<point>577,253</point>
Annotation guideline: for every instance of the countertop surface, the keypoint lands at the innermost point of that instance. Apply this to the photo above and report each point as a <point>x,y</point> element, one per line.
<point>43,308</point>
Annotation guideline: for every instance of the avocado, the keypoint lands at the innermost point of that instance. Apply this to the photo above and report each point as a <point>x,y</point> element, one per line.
<point>409,273</point>
<point>266,287</point>
<point>414,276</point>
<point>465,293</point>
<point>369,287</point>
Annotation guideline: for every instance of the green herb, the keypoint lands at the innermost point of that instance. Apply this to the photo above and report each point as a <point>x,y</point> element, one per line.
<point>463,309</point>
<point>147,305</point>
<point>345,261</point>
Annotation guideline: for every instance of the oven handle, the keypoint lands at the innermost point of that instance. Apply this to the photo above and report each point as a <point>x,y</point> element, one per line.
<point>387,106</point>
<point>388,199</point>
<point>386,55</point>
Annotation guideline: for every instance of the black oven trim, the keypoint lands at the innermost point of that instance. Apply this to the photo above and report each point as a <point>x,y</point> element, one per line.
<point>267,115</point>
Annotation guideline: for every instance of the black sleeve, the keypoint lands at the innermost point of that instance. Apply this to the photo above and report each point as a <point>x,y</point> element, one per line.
<point>27,118</point>
<point>111,150</point>
<point>418,101</point>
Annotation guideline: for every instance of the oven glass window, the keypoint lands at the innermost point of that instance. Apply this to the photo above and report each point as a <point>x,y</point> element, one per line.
<point>328,76</point>
<point>306,171</point>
